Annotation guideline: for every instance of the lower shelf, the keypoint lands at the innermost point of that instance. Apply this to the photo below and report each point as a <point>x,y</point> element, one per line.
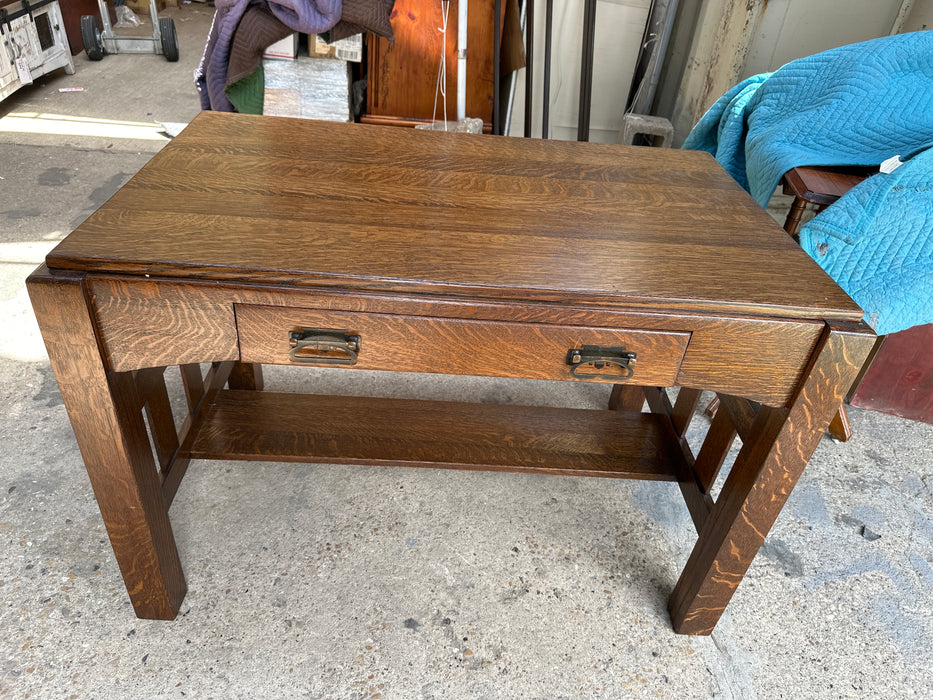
<point>258,425</point>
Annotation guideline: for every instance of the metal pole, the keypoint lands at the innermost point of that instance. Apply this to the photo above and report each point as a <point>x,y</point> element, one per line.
<point>496,66</point>
<point>529,62</point>
<point>461,58</point>
<point>548,29</point>
<point>586,70</point>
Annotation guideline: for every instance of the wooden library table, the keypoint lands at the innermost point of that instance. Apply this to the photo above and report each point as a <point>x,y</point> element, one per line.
<point>252,240</point>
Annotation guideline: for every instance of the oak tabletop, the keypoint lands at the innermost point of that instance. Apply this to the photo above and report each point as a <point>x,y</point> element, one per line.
<point>360,207</point>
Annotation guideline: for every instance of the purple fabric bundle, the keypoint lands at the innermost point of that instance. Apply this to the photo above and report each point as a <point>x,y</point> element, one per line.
<point>306,16</point>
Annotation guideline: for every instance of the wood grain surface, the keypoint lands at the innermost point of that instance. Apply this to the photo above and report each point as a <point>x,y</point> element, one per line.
<point>761,359</point>
<point>151,325</point>
<point>361,430</point>
<point>454,346</point>
<point>402,74</point>
<point>253,198</point>
<point>108,424</point>
<point>763,476</point>
<point>823,185</point>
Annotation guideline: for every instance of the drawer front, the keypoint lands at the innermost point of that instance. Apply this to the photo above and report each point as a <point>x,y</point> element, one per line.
<point>277,335</point>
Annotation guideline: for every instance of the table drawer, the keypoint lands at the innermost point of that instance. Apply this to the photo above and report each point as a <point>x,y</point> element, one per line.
<point>278,335</point>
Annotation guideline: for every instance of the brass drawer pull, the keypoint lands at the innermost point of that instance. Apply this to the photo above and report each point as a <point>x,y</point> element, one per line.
<point>324,346</point>
<point>619,360</point>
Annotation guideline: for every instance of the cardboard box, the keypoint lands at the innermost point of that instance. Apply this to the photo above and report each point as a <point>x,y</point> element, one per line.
<point>286,48</point>
<point>349,49</point>
<point>318,48</point>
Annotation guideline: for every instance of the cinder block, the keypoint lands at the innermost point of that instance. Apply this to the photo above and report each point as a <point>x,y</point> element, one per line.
<point>635,124</point>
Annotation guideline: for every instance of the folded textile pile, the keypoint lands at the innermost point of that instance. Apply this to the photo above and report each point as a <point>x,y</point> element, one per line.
<point>358,16</point>
<point>230,77</point>
<point>855,105</point>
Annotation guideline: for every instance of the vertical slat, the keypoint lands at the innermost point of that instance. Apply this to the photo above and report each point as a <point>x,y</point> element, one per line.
<point>246,375</point>
<point>626,397</point>
<point>194,384</point>
<point>698,502</point>
<point>719,439</point>
<point>658,400</point>
<point>151,387</point>
<point>496,66</point>
<point>687,400</point>
<point>741,412</point>
<point>548,30</point>
<point>529,63</point>
<point>586,70</point>
<point>217,376</point>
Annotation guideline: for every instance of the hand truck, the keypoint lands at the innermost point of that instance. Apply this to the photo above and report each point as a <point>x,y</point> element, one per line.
<point>163,41</point>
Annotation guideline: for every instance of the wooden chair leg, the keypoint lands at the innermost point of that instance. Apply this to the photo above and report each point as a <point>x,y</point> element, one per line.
<point>792,222</point>
<point>839,427</point>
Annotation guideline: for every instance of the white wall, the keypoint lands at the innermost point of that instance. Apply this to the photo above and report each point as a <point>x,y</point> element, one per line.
<point>791,29</point>
<point>619,28</point>
<point>920,17</point>
<point>717,43</point>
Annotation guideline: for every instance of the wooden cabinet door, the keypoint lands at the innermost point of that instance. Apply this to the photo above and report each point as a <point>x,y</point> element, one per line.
<point>402,75</point>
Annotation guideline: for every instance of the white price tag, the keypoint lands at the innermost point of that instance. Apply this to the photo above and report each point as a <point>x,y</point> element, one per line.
<point>25,76</point>
<point>891,164</point>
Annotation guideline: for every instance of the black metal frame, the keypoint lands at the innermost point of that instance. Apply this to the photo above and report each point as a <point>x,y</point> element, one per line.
<point>548,30</point>
<point>586,67</point>
<point>27,9</point>
<point>496,66</point>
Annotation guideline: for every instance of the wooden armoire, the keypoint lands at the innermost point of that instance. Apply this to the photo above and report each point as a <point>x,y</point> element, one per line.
<point>402,75</point>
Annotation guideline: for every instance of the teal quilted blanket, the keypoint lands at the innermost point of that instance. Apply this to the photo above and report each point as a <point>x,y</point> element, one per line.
<point>855,105</point>
<point>877,243</point>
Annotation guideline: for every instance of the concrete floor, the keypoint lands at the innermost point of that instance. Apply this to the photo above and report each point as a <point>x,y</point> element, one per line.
<point>325,581</point>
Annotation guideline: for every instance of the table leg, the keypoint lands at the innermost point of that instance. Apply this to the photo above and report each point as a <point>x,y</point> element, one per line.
<point>762,478</point>
<point>108,424</point>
